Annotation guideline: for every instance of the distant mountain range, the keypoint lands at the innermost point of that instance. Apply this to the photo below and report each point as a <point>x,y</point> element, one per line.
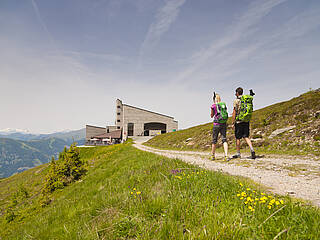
<point>24,135</point>
<point>21,150</point>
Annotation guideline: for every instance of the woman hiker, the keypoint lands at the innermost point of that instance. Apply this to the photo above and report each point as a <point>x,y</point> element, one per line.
<point>220,116</point>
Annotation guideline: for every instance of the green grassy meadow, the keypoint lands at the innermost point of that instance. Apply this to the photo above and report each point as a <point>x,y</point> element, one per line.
<point>131,194</point>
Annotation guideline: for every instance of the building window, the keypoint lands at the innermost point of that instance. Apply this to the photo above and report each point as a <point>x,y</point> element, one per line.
<point>118,127</point>
<point>118,114</point>
<point>118,106</point>
<point>130,129</point>
<point>118,120</point>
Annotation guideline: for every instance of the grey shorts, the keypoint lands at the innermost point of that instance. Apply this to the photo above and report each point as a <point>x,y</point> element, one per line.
<point>222,129</point>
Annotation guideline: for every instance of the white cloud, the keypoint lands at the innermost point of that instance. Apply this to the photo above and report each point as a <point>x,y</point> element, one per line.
<point>41,21</point>
<point>165,17</point>
<point>100,56</point>
<point>241,28</point>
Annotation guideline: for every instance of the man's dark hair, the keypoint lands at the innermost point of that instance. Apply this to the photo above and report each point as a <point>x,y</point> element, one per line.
<point>239,90</point>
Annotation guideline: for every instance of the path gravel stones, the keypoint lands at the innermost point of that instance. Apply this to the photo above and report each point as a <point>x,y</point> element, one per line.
<point>299,178</point>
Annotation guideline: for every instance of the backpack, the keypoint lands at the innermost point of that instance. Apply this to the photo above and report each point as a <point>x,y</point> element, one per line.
<point>246,108</point>
<point>221,114</point>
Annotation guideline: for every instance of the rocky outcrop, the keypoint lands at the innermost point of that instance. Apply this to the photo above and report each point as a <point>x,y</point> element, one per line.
<point>279,131</point>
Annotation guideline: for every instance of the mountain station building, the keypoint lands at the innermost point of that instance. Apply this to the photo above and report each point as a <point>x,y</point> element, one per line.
<point>130,121</point>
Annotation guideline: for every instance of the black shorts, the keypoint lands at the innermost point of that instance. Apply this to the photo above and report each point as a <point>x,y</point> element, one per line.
<point>242,130</point>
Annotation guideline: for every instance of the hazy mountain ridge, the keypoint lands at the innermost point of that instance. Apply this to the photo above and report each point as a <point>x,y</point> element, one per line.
<point>16,155</point>
<point>69,136</point>
<point>21,150</point>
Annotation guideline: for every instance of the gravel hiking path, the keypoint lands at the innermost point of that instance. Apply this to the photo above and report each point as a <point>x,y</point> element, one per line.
<point>297,177</point>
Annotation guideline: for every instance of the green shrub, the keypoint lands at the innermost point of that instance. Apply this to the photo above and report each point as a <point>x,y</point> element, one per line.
<point>69,168</point>
<point>316,137</point>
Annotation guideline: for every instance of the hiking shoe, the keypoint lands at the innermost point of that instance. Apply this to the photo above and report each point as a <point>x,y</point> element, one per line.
<point>253,155</point>
<point>236,156</point>
<point>212,158</point>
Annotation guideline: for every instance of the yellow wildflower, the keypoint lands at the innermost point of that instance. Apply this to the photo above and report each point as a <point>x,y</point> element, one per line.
<point>241,184</point>
<point>269,206</point>
<point>138,193</point>
<point>263,199</point>
<point>281,201</point>
<point>251,208</point>
<point>241,198</point>
<point>238,195</point>
<point>277,202</point>
<point>131,192</point>
<point>134,189</point>
<point>248,189</point>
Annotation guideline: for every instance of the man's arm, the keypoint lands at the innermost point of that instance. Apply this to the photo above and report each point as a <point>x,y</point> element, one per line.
<point>211,113</point>
<point>233,116</point>
<point>234,113</point>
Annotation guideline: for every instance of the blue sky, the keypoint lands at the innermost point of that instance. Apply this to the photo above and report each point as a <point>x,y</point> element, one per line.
<point>63,63</point>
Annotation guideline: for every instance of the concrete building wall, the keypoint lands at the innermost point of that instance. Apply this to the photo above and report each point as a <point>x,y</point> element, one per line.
<point>110,129</point>
<point>119,114</point>
<point>94,131</point>
<point>139,117</point>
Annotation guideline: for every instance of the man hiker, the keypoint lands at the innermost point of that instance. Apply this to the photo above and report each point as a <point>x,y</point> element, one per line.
<point>242,111</point>
<point>219,114</point>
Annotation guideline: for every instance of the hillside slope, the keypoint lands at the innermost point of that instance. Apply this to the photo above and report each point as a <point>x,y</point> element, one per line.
<point>17,156</point>
<point>131,194</point>
<point>302,113</point>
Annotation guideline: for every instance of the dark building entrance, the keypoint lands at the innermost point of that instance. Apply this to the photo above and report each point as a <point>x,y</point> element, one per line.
<point>130,129</point>
<point>154,126</point>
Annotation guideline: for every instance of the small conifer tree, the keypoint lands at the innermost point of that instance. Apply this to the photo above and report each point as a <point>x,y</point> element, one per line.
<point>69,168</point>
